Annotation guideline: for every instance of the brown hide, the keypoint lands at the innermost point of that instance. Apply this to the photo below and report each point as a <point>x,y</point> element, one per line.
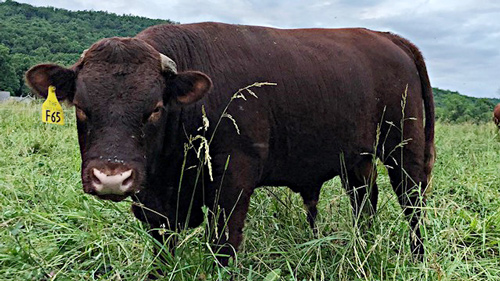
<point>496,115</point>
<point>343,97</point>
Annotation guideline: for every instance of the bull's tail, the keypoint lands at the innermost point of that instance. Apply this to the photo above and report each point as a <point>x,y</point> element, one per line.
<point>427,96</point>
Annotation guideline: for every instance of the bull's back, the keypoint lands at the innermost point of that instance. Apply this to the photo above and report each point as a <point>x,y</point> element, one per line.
<point>333,88</point>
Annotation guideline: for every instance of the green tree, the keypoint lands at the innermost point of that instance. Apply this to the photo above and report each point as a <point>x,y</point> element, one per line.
<point>21,64</point>
<point>8,78</point>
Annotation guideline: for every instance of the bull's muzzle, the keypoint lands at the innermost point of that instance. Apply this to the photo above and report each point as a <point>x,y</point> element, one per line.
<point>113,182</point>
<point>118,183</point>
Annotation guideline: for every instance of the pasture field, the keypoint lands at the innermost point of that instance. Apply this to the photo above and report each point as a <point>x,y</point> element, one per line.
<point>51,230</point>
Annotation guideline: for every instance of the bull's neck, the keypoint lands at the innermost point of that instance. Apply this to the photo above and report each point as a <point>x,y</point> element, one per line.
<point>183,124</point>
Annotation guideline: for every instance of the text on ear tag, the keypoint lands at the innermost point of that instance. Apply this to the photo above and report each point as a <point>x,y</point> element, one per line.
<point>52,111</point>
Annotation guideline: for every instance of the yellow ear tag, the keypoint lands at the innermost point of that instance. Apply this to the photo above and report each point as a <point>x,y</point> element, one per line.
<point>52,111</point>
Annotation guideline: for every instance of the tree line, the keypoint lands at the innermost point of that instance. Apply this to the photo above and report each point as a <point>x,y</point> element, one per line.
<point>453,107</point>
<point>31,35</point>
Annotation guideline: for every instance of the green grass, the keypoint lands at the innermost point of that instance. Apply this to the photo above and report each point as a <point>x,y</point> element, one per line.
<point>51,230</point>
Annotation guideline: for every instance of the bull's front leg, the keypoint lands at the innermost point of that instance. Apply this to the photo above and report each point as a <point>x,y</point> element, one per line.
<point>164,239</point>
<point>231,204</point>
<point>149,208</point>
<point>230,219</point>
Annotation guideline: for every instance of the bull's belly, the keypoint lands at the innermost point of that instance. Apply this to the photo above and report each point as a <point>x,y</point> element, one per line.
<point>308,170</point>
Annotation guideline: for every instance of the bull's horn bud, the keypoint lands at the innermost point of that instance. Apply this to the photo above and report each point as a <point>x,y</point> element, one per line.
<point>83,53</point>
<point>167,64</point>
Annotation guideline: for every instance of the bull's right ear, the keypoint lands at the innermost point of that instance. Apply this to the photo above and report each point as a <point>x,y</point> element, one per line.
<point>41,76</point>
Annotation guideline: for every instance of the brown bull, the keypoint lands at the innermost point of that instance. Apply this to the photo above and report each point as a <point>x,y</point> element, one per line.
<point>496,115</point>
<point>336,105</point>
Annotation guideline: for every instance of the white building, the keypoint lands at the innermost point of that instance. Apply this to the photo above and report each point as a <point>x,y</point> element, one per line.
<point>4,95</point>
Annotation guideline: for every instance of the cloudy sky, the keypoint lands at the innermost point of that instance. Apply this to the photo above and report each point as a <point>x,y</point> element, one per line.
<point>460,39</point>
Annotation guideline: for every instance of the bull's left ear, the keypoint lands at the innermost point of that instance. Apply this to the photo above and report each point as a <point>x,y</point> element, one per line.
<point>188,87</point>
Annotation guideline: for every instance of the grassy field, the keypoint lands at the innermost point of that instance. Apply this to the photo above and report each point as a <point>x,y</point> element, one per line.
<point>50,230</point>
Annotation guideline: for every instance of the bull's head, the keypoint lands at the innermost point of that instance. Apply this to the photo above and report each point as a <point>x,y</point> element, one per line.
<point>122,90</point>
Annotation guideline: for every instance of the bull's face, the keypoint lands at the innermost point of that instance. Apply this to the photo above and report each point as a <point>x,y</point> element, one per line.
<point>122,89</point>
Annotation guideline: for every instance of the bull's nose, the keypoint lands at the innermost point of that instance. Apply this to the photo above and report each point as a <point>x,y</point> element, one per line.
<point>118,183</point>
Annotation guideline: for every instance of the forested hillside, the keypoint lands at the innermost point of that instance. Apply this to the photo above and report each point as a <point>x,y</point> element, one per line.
<point>31,35</point>
<point>454,107</point>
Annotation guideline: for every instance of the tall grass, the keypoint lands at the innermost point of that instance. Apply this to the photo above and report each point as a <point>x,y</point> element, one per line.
<point>51,230</point>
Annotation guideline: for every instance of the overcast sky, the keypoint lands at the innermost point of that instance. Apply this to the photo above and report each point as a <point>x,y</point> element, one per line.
<point>460,39</point>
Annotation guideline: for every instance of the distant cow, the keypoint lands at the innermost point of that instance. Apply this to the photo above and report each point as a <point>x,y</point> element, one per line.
<point>496,115</point>
<point>338,102</point>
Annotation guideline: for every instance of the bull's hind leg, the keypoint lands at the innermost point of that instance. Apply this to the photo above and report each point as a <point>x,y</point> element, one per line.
<point>409,181</point>
<point>360,183</point>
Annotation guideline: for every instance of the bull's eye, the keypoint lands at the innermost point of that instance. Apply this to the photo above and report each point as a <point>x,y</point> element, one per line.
<point>156,114</point>
<point>80,114</point>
